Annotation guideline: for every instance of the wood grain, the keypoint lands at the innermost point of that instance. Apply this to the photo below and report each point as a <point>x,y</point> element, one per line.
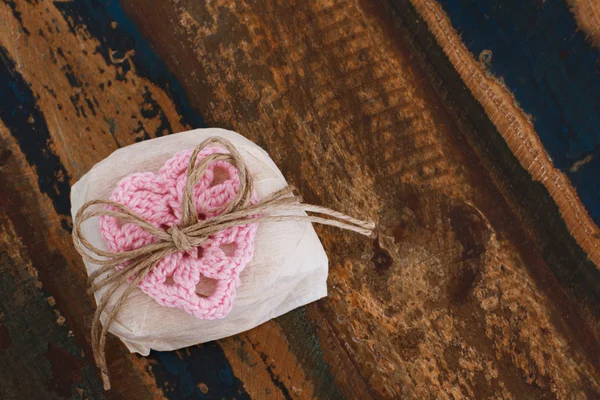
<point>35,340</point>
<point>587,13</point>
<point>454,299</point>
<point>445,302</point>
<point>515,126</point>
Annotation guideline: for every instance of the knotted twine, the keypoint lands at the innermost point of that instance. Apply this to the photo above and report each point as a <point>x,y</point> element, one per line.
<point>131,267</point>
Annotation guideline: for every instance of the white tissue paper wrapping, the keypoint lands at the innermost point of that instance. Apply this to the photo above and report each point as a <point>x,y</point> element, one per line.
<point>289,268</point>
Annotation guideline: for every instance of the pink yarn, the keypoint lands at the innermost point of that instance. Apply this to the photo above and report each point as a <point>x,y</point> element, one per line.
<point>177,279</point>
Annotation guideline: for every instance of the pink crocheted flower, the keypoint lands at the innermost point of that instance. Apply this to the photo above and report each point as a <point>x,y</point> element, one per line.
<point>202,281</point>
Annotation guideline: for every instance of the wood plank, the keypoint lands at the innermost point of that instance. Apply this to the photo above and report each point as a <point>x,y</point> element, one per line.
<point>546,107</point>
<point>455,297</point>
<point>533,204</point>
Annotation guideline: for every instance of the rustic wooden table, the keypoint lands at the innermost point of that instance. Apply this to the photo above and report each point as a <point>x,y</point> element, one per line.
<point>473,289</point>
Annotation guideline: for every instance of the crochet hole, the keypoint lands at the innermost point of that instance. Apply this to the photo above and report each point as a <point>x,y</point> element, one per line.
<point>201,216</point>
<point>229,248</point>
<point>206,287</point>
<point>220,175</point>
<point>169,280</point>
<point>171,210</point>
<point>164,227</point>
<point>199,252</point>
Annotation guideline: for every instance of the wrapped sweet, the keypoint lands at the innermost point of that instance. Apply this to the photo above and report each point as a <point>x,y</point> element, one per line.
<point>194,237</point>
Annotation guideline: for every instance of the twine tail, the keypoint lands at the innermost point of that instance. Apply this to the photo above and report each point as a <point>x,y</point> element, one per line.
<point>139,270</point>
<point>105,379</point>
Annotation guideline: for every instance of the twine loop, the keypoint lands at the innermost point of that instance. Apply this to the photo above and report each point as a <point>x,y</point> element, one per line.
<point>180,239</point>
<point>134,265</point>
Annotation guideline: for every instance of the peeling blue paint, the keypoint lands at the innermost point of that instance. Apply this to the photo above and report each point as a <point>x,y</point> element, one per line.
<point>203,365</point>
<point>553,72</point>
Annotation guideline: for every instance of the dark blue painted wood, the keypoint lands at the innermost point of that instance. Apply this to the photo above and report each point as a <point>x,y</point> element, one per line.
<point>17,109</point>
<point>185,373</point>
<point>553,73</point>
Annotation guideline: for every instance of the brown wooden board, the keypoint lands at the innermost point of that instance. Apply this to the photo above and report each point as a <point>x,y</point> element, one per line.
<point>455,298</point>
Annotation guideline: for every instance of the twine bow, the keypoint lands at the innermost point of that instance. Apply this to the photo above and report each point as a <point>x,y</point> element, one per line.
<point>135,264</point>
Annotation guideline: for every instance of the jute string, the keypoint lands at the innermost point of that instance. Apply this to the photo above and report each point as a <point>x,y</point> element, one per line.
<point>136,264</point>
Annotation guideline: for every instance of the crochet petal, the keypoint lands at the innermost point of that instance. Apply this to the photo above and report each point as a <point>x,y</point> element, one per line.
<point>228,252</point>
<point>175,280</point>
<point>216,188</point>
<point>143,195</point>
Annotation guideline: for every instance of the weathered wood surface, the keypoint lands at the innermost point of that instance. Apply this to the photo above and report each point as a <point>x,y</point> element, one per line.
<point>456,298</point>
<point>483,105</point>
<point>546,106</point>
<point>587,13</point>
